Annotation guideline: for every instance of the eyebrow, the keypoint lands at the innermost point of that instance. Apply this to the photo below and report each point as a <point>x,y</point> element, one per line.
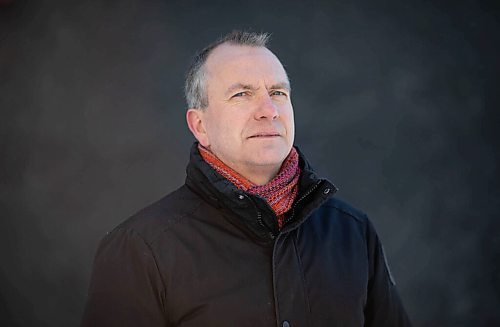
<point>241,86</point>
<point>282,85</point>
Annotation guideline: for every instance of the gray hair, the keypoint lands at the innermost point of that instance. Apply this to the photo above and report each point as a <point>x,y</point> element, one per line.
<point>195,87</point>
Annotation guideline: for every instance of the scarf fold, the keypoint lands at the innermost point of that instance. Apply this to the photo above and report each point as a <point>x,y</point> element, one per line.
<point>280,192</point>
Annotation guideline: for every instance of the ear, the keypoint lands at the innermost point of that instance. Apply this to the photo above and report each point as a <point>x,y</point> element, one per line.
<point>194,118</point>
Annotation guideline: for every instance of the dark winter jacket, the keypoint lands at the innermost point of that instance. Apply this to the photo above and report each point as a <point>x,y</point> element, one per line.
<point>209,254</point>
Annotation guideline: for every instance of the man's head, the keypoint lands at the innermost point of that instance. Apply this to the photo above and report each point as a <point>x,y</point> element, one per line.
<point>238,95</point>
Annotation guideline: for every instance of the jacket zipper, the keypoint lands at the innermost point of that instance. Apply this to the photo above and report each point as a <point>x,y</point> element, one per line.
<point>259,215</point>
<point>314,187</point>
<point>261,222</point>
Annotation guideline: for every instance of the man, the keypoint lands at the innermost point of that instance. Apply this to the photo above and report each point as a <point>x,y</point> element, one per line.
<point>254,237</point>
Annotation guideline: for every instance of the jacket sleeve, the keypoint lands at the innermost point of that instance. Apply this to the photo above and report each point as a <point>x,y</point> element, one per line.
<point>126,288</point>
<point>383,306</point>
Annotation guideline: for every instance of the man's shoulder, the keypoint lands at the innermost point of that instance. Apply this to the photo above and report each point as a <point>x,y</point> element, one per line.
<point>346,209</point>
<point>338,216</point>
<point>161,215</point>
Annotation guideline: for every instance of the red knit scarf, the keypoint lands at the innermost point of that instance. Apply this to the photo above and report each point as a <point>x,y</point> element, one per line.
<point>280,192</point>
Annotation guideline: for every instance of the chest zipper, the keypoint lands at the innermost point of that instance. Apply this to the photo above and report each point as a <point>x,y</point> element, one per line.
<point>259,214</point>
<point>261,222</point>
<point>312,189</point>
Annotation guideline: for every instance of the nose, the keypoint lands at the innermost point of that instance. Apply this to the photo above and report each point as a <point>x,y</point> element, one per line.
<point>266,109</point>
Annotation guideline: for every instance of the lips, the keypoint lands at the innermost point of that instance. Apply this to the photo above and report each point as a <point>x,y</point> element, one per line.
<point>264,134</point>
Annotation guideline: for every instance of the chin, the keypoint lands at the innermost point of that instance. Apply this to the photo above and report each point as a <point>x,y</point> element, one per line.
<point>268,157</point>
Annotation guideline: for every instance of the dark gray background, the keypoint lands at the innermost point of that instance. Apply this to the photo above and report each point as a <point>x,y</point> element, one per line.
<point>396,102</point>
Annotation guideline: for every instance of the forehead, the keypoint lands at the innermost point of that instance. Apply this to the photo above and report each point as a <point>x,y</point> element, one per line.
<point>234,63</point>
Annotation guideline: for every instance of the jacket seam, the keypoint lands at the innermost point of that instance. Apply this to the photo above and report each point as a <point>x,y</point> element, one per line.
<point>155,260</point>
<point>352,215</point>
<point>303,277</point>
<point>178,217</point>
<point>275,293</point>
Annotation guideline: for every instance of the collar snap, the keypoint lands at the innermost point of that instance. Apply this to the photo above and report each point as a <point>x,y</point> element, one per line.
<point>241,197</point>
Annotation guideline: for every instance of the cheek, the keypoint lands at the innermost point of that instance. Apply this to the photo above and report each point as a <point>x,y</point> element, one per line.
<point>211,130</point>
<point>287,115</point>
<point>221,134</point>
<point>227,128</point>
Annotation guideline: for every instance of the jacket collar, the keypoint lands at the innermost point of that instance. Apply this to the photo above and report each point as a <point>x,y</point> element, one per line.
<point>251,212</point>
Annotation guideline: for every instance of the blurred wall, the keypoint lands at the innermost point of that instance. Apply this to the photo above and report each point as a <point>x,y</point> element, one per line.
<point>396,102</point>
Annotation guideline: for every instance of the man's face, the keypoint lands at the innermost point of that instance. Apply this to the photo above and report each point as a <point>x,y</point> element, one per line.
<point>249,121</point>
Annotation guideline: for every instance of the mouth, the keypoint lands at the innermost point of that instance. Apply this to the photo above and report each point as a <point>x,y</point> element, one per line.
<point>264,135</point>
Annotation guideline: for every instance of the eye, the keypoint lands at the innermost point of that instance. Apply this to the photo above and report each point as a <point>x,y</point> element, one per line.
<point>278,93</point>
<point>239,94</point>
